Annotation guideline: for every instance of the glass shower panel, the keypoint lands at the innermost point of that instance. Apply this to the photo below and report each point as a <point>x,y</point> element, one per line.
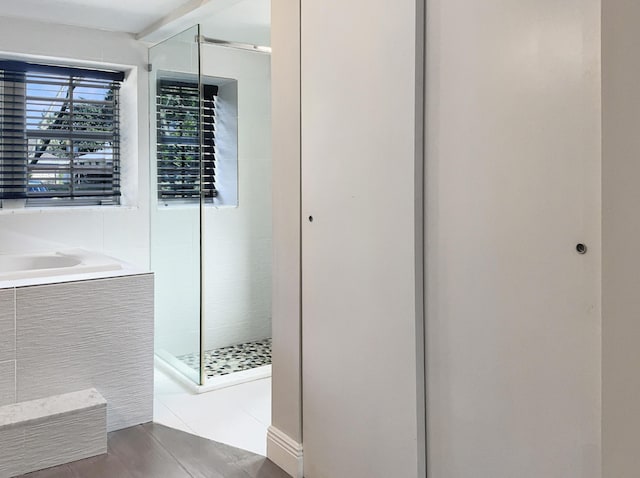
<point>176,203</point>
<point>237,222</point>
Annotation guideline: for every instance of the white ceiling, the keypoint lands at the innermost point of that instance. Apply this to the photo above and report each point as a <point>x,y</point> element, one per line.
<point>245,21</point>
<point>131,16</point>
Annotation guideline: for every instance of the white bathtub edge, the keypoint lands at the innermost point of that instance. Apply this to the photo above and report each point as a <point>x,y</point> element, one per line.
<point>101,267</point>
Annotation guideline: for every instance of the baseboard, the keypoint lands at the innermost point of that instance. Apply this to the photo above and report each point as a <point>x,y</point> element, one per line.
<point>284,452</point>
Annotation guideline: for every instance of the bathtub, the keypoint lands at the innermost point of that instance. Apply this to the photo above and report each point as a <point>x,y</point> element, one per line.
<point>54,264</point>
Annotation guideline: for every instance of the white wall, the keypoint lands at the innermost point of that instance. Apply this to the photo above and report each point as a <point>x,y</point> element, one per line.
<point>286,405</point>
<point>237,247</point>
<point>513,313</point>
<point>620,235</point>
<point>121,231</point>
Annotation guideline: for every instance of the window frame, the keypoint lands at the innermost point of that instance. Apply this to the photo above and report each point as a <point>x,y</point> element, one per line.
<point>91,181</point>
<point>180,183</point>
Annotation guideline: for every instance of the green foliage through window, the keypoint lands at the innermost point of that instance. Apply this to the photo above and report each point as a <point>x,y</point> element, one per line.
<point>185,132</point>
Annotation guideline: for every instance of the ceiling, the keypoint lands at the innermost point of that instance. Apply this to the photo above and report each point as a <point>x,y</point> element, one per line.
<point>146,16</point>
<point>131,16</point>
<point>245,21</point>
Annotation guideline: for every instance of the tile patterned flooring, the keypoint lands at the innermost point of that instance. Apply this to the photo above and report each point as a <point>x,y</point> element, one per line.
<point>234,358</point>
<point>238,415</point>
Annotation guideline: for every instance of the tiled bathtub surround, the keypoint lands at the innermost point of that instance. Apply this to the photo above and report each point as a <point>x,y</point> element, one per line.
<point>77,335</point>
<point>7,382</point>
<point>233,358</point>
<point>7,325</point>
<point>7,346</point>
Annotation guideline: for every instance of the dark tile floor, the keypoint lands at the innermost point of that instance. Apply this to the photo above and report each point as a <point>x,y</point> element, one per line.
<point>156,451</point>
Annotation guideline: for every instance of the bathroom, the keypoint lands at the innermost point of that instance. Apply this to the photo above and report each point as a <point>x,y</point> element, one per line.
<point>210,256</point>
<point>454,215</point>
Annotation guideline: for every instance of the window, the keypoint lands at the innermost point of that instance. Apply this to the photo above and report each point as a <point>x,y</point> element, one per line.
<point>179,122</point>
<point>59,134</point>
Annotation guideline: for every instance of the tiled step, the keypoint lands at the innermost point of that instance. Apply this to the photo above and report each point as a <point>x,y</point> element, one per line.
<point>52,431</point>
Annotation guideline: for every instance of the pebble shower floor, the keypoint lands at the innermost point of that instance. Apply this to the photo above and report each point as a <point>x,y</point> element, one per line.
<point>233,358</point>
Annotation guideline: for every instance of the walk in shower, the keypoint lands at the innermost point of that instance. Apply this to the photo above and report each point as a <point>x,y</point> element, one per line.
<point>211,206</point>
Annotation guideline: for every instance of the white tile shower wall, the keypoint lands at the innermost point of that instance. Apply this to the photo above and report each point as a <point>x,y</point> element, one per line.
<point>238,258</point>
<point>237,239</point>
<point>88,334</point>
<point>122,232</point>
<point>175,230</point>
<point>175,261</point>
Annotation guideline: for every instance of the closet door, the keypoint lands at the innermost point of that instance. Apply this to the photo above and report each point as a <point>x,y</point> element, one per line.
<point>513,181</point>
<point>361,111</point>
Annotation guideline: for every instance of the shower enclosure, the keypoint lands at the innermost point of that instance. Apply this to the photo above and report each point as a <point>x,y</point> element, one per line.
<point>210,156</point>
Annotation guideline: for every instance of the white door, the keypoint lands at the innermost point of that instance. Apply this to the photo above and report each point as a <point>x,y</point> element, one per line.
<point>513,181</point>
<point>362,407</point>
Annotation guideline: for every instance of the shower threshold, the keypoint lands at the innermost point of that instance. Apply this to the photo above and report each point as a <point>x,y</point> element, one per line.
<point>225,366</point>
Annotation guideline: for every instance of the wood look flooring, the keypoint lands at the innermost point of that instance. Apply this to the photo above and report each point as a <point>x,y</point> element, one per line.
<point>156,451</point>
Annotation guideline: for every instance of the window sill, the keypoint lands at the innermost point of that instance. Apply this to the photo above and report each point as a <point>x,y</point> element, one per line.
<point>178,207</point>
<point>64,209</point>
